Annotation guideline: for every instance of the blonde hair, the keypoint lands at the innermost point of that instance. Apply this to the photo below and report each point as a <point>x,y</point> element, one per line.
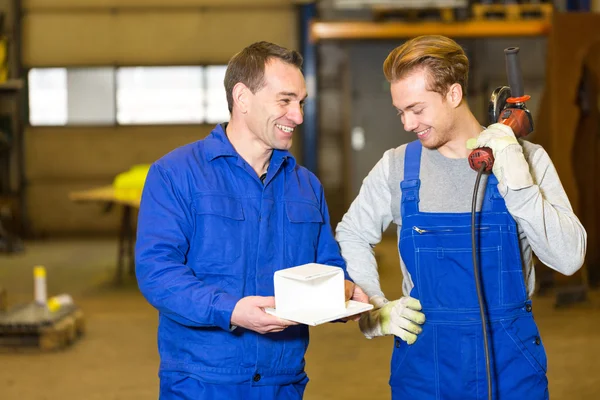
<point>443,59</point>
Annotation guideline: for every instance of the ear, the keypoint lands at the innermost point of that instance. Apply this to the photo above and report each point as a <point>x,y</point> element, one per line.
<point>241,97</point>
<point>454,95</point>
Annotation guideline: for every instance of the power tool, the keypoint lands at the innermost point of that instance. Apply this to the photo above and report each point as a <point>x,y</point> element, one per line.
<point>507,106</point>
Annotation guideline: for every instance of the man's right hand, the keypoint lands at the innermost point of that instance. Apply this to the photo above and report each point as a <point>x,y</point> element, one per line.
<point>249,313</point>
<point>401,318</point>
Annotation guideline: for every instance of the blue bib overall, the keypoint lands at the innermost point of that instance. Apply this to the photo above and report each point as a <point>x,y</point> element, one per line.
<point>447,361</point>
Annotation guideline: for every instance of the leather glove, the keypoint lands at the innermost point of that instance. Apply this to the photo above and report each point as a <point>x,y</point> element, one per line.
<point>510,167</point>
<point>401,318</point>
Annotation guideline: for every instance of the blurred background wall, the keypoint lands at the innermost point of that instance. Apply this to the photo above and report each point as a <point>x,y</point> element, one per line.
<point>90,39</point>
<point>91,88</point>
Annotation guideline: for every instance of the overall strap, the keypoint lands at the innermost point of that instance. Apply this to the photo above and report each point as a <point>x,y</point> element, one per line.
<point>410,185</point>
<point>493,201</point>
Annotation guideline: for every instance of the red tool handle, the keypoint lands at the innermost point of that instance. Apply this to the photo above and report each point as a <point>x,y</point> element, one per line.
<point>519,121</point>
<point>480,156</point>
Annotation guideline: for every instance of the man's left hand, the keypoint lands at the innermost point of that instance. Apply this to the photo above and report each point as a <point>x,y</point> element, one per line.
<point>354,292</point>
<point>510,167</point>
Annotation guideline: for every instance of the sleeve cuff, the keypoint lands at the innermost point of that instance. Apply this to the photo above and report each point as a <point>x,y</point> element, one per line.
<point>222,310</point>
<point>347,276</point>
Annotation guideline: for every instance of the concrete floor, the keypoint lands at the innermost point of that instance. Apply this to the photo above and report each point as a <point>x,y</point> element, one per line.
<point>117,359</point>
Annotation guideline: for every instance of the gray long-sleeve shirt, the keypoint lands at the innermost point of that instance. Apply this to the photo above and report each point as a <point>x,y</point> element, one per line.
<point>545,218</point>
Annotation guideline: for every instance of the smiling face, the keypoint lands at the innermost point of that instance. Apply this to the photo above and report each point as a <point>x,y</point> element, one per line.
<point>276,109</point>
<point>427,113</point>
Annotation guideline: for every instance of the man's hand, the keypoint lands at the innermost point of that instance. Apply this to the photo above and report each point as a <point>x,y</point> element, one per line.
<point>249,313</point>
<point>401,318</point>
<point>348,289</point>
<point>354,292</point>
<point>510,167</point>
<point>359,295</point>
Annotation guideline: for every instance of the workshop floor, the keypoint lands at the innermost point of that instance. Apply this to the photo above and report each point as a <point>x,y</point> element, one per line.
<point>117,359</point>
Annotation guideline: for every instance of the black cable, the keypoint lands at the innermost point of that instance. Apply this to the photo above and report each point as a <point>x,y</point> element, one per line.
<point>478,282</point>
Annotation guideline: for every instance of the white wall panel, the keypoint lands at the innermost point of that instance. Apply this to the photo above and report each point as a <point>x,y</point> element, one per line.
<point>50,211</point>
<point>77,153</point>
<point>90,4</point>
<point>70,33</point>
<point>151,38</point>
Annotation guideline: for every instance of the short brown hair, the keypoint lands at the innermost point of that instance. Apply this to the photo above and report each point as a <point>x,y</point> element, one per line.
<point>444,60</point>
<point>248,66</point>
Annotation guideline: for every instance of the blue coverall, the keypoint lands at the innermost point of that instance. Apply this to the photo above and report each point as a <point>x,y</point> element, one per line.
<point>209,233</point>
<point>447,360</point>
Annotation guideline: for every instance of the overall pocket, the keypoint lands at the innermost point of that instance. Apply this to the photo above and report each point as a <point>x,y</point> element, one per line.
<point>525,341</point>
<point>302,225</point>
<point>413,366</point>
<point>219,230</point>
<point>445,277</point>
<point>399,353</point>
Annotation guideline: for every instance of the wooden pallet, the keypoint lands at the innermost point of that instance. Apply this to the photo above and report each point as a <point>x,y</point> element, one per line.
<point>30,326</point>
<point>445,14</point>
<point>513,11</point>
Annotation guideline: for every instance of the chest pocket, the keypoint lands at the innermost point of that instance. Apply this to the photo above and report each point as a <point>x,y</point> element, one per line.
<point>219,228</point>
<point>302,226</point>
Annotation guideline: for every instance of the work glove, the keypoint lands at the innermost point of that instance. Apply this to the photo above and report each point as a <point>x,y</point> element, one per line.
<point>510,167</point>
<point>401,318</point>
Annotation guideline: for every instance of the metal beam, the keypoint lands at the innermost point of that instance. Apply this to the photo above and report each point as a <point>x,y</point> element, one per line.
<point>311,120</point>
<point>360,30</point>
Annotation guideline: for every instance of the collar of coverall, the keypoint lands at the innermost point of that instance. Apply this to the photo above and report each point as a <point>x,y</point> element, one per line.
<point>218,145</point>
